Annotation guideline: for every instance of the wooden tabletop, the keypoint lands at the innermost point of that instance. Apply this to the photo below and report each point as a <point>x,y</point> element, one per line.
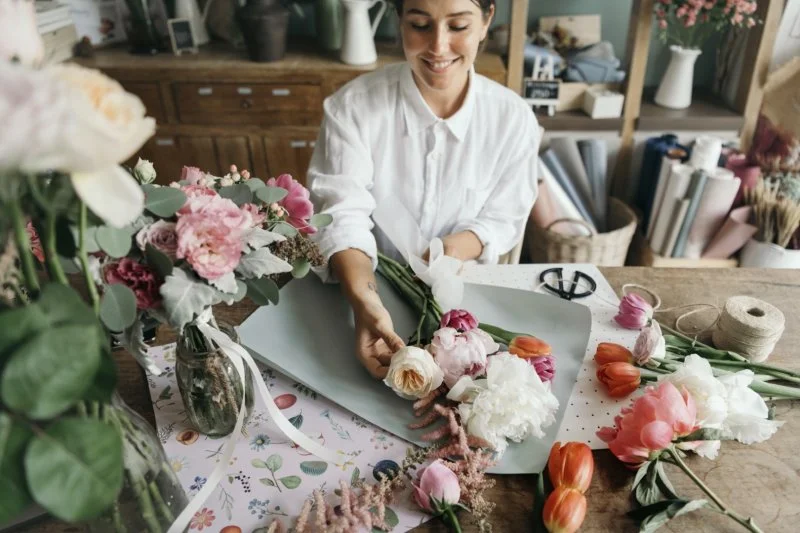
<point>761,480</point>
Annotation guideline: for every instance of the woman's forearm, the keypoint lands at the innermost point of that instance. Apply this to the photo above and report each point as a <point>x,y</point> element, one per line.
<point>353,269</point>
<point>463,245</point>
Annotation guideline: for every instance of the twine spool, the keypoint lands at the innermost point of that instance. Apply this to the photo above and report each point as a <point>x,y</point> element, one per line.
<point>749,326</point>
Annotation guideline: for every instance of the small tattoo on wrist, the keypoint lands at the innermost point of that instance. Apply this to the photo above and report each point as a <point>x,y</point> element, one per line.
<point>371,286</point>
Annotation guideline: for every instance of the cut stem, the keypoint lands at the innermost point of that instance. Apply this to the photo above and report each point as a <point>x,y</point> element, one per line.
<point>23,246</point>
<point>84,259</point>
<point>50,252</point>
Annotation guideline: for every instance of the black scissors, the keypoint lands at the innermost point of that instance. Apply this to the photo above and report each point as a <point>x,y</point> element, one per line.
<point>559,290</point>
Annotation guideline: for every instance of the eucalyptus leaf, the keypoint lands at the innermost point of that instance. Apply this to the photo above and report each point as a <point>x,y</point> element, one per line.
<point>70,266</point>
<point>185,297</point>
<point>301,268</point>
<point>241,291</point>
<point>104,381</point>
<point>291,482</point>
<point>52,371</point>
<point>260,263</point>
<point>267,481</point>
<point>158,260</point>
<point>258,238</point>
<point>274,462</point>
<point>270,195</point>
<point>164,201</point>
<point>65,242</point>
<point>14,438</point>
<point>285,229</point>
<point>90,239</point>
<point>258,463</point>
<point>118,307</point>
<point>262,291</point>
<point>320,220</point>
<point>115,242</point>
<point>62,305</point>
<point>239,194</point>
<point>74,468</point>
<point>18,325</point>
<point>254,184</point>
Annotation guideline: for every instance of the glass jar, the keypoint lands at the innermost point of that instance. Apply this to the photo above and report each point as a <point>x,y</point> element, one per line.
<point>209,383</point>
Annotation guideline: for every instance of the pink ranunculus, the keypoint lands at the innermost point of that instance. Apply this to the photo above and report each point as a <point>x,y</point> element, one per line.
<point>36,242</point>
<point>192,175</point>
<point>161,235</point>
<point>634,312</point>
<point>197,198</point>
<point>651,424</point>
<point>459,319</point>
<point>545,366</point>
<point>460,354</point>
<point>257,216</point>
<point>436,482</point>
<point>211,239</point>
<point>297,204</point>
<point>141,279</point>
<point>649,344</point>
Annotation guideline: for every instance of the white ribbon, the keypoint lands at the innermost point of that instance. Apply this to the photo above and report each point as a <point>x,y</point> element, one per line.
<point>440,273</point>
<point>237,355</point>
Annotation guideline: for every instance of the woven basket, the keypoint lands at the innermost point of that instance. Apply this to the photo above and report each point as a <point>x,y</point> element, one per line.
<point>602,249</point>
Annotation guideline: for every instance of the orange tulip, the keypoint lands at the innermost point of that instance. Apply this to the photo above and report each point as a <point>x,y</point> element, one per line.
<point>609,352</point>
<point>526,346</point>
<point>619,378</point>
<point>571,465</point>
<point>564,510</point>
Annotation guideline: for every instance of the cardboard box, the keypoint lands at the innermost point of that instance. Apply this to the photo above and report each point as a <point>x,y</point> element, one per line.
<point>603,103</point>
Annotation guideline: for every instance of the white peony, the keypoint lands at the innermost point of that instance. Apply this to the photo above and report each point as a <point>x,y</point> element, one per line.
<point>708,393</point>
<point>747,411</point>
<point>511,403</point>
<point>144,171</point>
<point>413,373</point>
<point>19,37</point>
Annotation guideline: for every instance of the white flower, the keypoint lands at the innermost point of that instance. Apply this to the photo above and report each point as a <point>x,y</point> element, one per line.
<point>413,373</point>
<point>650,344</point>
<point>144,171</point>
<point>747,412</point>
<point>708,393</point>
<point>458,354</point>
<point>511,403</point>
<point>19,36</point>
<point>226,181</point>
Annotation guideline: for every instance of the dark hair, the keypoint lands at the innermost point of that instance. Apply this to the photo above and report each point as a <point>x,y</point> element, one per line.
<point>485,6</point>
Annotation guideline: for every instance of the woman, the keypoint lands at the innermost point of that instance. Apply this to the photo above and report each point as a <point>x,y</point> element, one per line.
<point>458,150</point>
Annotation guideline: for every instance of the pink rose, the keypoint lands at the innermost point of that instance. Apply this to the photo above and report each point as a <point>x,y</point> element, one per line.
<point>459,319</point>
<point>634,312</point>
<point>437,486</point>
<point>298,207</point>
<point>161,235</point>
<point>257,216</point>
<point>197,198</point>
<point>192,175</point>
<point>460,354</point>
<point>36,242</point>
<point>141,279</point>
<point>212,249</point>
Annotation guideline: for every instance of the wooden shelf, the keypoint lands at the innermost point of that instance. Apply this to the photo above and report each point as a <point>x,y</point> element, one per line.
<point>577,120</point>
<point>707,113</point>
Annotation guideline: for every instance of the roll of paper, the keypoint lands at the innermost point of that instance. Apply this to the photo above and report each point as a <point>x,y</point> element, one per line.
<point>715,204</point>
<point>553,164</point>
<point>561,205</point>
<point>594,154</point>
<point>732,236</point>
<point>566,149</point>
<point>677,185</point>
<point>694,194</point>
<point>672,158</point>
<point>678,217</point>
<point>705,153</point>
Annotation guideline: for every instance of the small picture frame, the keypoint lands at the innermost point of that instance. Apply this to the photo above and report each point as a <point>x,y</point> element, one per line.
<point>181,36</point>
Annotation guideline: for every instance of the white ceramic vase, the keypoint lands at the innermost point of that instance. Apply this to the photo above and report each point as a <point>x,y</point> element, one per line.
<point>188,9</point>
<point>757,254</point>
<point>675,89</point>
<point>358,41</point>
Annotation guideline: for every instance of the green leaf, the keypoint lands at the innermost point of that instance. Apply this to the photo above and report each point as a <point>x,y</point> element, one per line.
<point>118,307</point>
<point>664,483</point>
<point>301,268</point>
<point>18,325</point>
<point>254,184</point>
<point>239,194</point>
<point>62,305</point>
<point>267,481</point>
<point>356,476</point>
<point>258,463</point>
<point>65,242</point>
<point>270,195</point>
<point>262,291</point>
<point>241,291</point>
<point>291,482</point>
<point>52,371</point>
<point>274,462</point>
<point>113,241</point>
<point>260,263</point>
<point>297,420</point>
<point>320,220</point>
<point>539,497</point>
<point>158,260</point>
<point>389,516</point>
<point>60,193</point>
<point>74,468</point>
<point>314,468</point>
<point>648,490</point>
<point>164,201</point>
<point>655,516</point>
<point>14,437</point>
<point>185,297</point>
<point>90,238</point>
<point>285,229</point>
<point>70,265</point>
<point>104,381</point>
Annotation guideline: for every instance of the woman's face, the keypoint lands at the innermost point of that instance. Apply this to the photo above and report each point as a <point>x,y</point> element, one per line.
<point>440,40</point>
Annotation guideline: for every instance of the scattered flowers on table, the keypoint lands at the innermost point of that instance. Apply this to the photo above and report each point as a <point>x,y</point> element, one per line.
<point>459,319</point>
<point>413,373</point>
<point>619,378</point>
<point>461,354</point>
<point>634,312</point>
<point>609,352</point>
<point>564,510</point>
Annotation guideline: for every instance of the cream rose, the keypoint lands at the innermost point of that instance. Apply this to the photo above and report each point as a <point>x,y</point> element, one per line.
<point>19,38</point>
<point>413,373</point>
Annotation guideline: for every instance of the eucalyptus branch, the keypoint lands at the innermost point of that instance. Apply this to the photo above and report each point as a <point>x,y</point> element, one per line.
<point>84,259</point>
<point>50,252</point>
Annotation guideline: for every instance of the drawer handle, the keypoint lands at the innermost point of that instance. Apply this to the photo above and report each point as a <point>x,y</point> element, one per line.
<point>312,144</point>
<point>246,103</point>
<point>165,141</point>
<point>298,144</point>
<point>244,91</point>
<point>281,92</point>
<point>205,91</point>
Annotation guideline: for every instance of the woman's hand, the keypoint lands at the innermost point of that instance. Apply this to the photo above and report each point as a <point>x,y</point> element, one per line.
<point>376,340</point>
<point>463,245</point>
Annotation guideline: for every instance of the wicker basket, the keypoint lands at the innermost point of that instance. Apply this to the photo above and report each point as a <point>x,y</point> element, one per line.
<point>602,249</point>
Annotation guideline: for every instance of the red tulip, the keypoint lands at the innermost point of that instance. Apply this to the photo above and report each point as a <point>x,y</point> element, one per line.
<point>571,465</point>
<point>619,378</point>
<point>525,346</point>
<point>609,352</point>
<point>564,510</point>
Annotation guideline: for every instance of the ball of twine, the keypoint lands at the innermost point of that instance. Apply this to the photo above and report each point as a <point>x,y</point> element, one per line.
<point>749,326</point>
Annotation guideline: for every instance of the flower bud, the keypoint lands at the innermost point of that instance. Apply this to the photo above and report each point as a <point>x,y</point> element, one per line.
<point>609,352</point>
<point>634,312</point>
<point>438,485</point>
<point>144,171</point>
<point>459,319</point>
<point>571,465</point>
<point>620,379</point>
<point>649,344</point>
<point>564,510</point>
<point>525,346</point>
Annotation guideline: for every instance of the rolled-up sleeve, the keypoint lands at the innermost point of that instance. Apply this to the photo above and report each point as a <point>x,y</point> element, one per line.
<point>501,222</point>
<point>340,178</point>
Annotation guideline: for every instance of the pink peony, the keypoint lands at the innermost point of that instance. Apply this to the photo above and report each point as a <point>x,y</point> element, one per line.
<point>141,279</point>
<point>197,198</point>
<point>634,312</point>
<point>460,354</point>
<point>298,207</point>
<point>36,242</point>
<point>459,319</point>
<point>545,367</point>
<point>651,423</point>
<point>257,216</point>
<point>437,487</point>
<point>192,175</point>
<point>161,235</point>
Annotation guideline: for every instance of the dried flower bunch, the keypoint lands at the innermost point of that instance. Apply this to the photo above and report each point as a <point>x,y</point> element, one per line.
<point>776,215</point>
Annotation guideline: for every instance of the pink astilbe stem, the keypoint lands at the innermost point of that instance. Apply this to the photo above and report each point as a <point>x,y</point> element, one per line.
<point>302,520</point>
<point>322,508</point>
<point>429,419</point>
<point>422,403</point>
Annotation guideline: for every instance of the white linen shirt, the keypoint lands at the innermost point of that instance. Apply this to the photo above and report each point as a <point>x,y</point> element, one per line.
<point>473,171</point>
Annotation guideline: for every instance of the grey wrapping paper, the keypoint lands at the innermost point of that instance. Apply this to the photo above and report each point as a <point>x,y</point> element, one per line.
<point>584,206</point>
<point>694,194</point>
<point>566,149</point>
<point>594,154</point>
<point>715,203</point>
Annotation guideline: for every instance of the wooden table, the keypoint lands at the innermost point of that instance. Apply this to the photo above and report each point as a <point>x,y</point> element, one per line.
<point>762,480</point>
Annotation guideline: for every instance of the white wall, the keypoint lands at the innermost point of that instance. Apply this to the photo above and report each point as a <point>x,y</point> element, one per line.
<point>787,42</point>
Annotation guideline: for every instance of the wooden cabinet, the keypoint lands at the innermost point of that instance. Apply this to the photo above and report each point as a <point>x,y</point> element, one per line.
<point>233,151</point>
<point>164,152</point>
<point>150,95</point>
<point>289,150</point>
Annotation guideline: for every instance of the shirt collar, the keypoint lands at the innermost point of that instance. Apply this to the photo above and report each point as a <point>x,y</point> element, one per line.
<point>418,114</point>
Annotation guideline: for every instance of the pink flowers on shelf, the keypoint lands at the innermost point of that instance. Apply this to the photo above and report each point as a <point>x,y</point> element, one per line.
<point>696,20</point>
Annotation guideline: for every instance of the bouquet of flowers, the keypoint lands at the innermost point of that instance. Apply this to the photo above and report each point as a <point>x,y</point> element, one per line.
<point>688,23</point>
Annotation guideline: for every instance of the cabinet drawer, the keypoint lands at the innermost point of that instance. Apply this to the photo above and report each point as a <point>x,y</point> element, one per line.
<point>150,95</point>
<point>243,103</point>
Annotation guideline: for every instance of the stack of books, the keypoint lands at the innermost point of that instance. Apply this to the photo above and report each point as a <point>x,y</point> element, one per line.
<point>57,29</point>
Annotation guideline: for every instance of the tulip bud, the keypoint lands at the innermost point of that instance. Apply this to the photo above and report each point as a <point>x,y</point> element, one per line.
<point>459,319</point>
<point>634,312</point>
<point>564,510</point>
<point>571,465</point>
<point>525,346</point>
<point>621,379</point>
<point>650,344</point>
<point>609,352</point>
<point>438,485</point>
<point>544,366</point>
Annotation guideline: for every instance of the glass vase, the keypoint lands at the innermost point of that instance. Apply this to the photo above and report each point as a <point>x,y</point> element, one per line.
<point>209,383</point>
<point>151,496</point>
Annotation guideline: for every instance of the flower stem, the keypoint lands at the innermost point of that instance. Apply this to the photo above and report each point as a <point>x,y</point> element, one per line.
<point>745,522</point>
<point>23,246</point>
<point>452,519</point>
<point>84,259</point>
<point>422,318</point>
<point>51,254</point>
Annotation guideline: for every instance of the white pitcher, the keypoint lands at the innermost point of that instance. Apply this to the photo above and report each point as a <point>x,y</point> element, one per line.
<point>358,44</point>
